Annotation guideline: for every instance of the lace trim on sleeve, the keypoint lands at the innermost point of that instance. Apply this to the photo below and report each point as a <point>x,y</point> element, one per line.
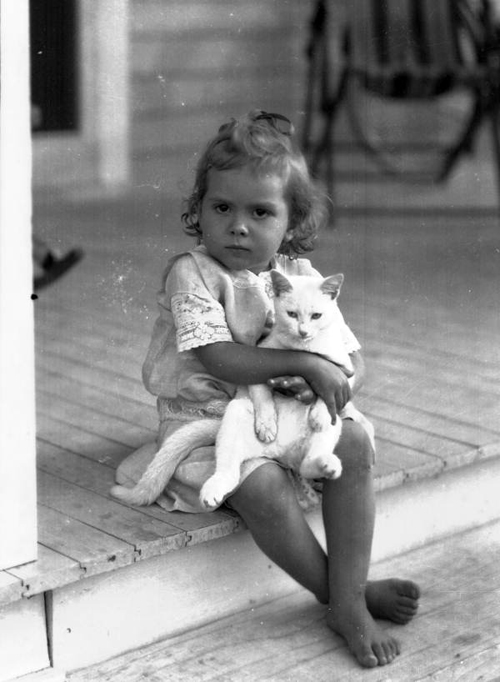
<point>198,321</point>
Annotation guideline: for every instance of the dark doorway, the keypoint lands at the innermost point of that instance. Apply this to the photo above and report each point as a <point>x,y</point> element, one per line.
<point>54,73</point>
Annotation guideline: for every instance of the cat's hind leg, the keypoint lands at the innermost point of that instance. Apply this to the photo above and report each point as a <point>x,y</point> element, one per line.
<point>320,460</point>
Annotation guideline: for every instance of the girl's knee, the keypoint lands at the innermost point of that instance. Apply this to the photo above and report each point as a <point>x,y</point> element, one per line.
<point>265,493</point>
<point>354,448</point>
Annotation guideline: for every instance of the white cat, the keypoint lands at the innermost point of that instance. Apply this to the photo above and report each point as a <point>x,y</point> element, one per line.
<point>259,422</point>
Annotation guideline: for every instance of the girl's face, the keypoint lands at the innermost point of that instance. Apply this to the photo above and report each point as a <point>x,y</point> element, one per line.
<point>244,218</point>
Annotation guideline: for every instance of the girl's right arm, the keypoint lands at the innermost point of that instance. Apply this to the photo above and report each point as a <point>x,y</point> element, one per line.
<point>244,365</point>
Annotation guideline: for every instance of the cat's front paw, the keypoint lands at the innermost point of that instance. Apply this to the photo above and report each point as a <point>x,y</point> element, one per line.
<point>323,466</point>
<point>266,427</point>
<point>332,467</point>
<point>212,493</point>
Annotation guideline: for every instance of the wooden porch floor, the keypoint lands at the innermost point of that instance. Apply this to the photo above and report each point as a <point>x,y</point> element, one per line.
<point>421,294</point>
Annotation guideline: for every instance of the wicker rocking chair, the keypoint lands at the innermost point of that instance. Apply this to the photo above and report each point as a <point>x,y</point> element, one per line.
<point>402,52</point>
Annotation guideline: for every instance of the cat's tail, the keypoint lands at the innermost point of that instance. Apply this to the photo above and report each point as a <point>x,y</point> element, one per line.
<point>171,453</point>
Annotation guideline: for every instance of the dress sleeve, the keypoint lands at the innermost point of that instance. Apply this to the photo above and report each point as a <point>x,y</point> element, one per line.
<point>198,317</point>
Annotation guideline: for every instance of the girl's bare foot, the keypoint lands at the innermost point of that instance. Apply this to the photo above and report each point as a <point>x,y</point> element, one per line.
<point>369,644</point>
<point>393,599</point>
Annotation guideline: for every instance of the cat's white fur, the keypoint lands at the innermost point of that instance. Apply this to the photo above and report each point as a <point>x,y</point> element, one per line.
<point>259,422</point>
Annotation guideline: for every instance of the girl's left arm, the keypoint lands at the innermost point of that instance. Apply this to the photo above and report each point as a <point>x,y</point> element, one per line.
<point>297,387</point>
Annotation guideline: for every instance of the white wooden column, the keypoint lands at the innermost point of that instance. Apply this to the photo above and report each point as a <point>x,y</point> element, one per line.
<point>105,87</point>
<point>17,402</point>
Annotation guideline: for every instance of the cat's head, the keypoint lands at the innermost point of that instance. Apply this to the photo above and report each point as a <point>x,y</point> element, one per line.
<point>305,305</point>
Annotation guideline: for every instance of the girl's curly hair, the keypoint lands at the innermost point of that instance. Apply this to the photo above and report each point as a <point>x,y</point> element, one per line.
<point>265,143</point>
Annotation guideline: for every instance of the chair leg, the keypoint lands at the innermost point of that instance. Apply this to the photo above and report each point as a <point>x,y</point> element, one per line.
<point>315,57</point>
<point>495,132</point>
<point>327,150</point>
<point>464,144</point>
<point>326,142</point>
<point>310,105</point>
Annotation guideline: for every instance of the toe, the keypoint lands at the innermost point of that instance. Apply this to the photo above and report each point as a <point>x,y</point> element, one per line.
<point>407,588</point>
<point>380,654</point>
<point>367,658</point>
<point>403,614</point>
<point>388,651</point>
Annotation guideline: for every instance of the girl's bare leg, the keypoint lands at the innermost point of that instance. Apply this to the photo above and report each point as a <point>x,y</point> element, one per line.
<point>349,514</point>
<point>267,503</point>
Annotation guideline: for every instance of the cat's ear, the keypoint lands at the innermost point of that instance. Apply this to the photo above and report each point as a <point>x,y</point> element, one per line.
<point>280,283</point>
<point>331,285</point>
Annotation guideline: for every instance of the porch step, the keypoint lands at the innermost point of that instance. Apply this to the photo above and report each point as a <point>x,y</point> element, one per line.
<point>105,615</point>
<point>287,638</point>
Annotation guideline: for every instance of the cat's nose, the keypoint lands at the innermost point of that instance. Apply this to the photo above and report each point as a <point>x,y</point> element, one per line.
<point>303,333</point>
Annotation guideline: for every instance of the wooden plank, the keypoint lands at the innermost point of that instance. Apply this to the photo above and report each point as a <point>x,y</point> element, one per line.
<point>10,588</point>
<point>91,419</point>
<point>453,374</point>
<point>452,402</point>
<point>95,551</point>
<point>419,440</point>
<point>469,666</point>
<point>445,336</point>
<point>116,405</point>
<point>46,675</point>
<point>49,571</point>
<point>420,451</point>
<point>116,383</point>
<point>387,476</point>
<point>452,367</point>
<point>412,464</point>
<point>110,334</point>
<point>82,442</point>
<point>438,325</point>
<point>100,358</point>
<point>426,420</point>
<point>98,346</point>
<point>148,535</point>
<point>99,478</point>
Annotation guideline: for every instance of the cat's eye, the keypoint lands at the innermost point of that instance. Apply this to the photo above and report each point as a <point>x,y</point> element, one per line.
<point>316,316</point>
<point>292,314</point>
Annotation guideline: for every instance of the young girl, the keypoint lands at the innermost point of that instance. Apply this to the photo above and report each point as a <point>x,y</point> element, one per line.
<point>254,208</point>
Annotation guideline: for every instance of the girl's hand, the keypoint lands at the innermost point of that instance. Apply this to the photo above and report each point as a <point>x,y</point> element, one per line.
<point>330,383</point>
<point>294,387</point>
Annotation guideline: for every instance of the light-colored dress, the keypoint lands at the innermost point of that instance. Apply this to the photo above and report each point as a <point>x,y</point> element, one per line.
<point>201,302</point>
